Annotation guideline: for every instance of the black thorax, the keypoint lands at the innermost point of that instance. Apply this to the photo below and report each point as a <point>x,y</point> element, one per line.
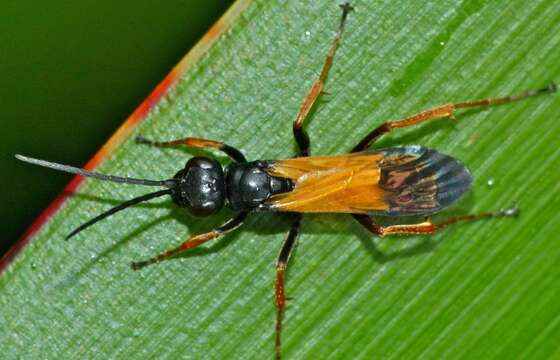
<point>248,185</point>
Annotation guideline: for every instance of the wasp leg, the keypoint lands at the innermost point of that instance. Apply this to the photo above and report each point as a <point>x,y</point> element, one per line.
<point>281,266</point>
<point>446,110</point>
<point>427,226</point>
<point>196,143</point>
<point>194,241</point>
<point>316,90</point>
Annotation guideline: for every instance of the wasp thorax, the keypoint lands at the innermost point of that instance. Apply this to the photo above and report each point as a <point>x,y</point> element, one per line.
<point>200,186</point>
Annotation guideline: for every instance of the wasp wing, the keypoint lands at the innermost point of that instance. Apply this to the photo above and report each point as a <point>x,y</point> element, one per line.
<point>410,180</point>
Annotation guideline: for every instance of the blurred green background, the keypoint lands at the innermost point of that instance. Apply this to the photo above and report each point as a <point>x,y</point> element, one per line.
<point>70,73</point>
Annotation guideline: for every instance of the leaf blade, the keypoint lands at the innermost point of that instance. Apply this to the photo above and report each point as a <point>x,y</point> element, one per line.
<point>465,292</point>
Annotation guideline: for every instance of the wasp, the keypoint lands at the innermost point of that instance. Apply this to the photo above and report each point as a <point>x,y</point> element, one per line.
<point>399,181</point>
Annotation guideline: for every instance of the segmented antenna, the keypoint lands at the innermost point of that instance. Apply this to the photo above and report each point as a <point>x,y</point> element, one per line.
<point>74,170</point>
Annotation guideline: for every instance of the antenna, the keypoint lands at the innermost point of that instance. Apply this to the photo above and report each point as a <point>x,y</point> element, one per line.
<point>74,170</point>
<point>118,208</point>
<point>169,184</point>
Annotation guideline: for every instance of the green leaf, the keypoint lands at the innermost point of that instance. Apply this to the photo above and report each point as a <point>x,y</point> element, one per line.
<point>488,289</point>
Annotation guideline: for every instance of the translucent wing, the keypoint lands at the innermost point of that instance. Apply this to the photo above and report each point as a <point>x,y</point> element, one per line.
<point>396,181</point>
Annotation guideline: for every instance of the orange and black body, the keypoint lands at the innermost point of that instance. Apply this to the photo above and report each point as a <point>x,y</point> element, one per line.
<point>398,181</point>
<point>410,180</point>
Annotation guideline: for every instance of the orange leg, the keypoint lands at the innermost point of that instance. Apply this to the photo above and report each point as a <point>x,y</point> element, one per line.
<point>446,110</point>
<point>427,226</point>
<point>194,241</point>
<point>316,90</point>
<point>196,143</point>
<point>281,266</point>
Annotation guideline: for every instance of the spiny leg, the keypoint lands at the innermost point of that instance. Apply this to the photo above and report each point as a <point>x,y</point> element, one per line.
<point>194,241</point>
<point>301,136</point>
<point>196,143</point>
<point>281,266</point>
<point>427,226</point>
<point>446,110</point>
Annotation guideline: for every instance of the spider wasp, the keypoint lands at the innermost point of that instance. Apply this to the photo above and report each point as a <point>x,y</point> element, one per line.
<point>396,181</point>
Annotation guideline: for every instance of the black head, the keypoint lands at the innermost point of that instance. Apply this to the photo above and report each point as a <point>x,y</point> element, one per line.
<point>200,186</point>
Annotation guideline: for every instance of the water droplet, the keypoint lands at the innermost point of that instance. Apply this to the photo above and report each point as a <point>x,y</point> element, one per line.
<point>114,325</point>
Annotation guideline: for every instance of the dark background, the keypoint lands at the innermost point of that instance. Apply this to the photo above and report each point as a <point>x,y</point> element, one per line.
<point>70,73</point>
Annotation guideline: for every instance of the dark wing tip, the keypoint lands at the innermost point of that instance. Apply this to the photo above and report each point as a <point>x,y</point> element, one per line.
<point>453,178</point>
<point>422,180</point>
